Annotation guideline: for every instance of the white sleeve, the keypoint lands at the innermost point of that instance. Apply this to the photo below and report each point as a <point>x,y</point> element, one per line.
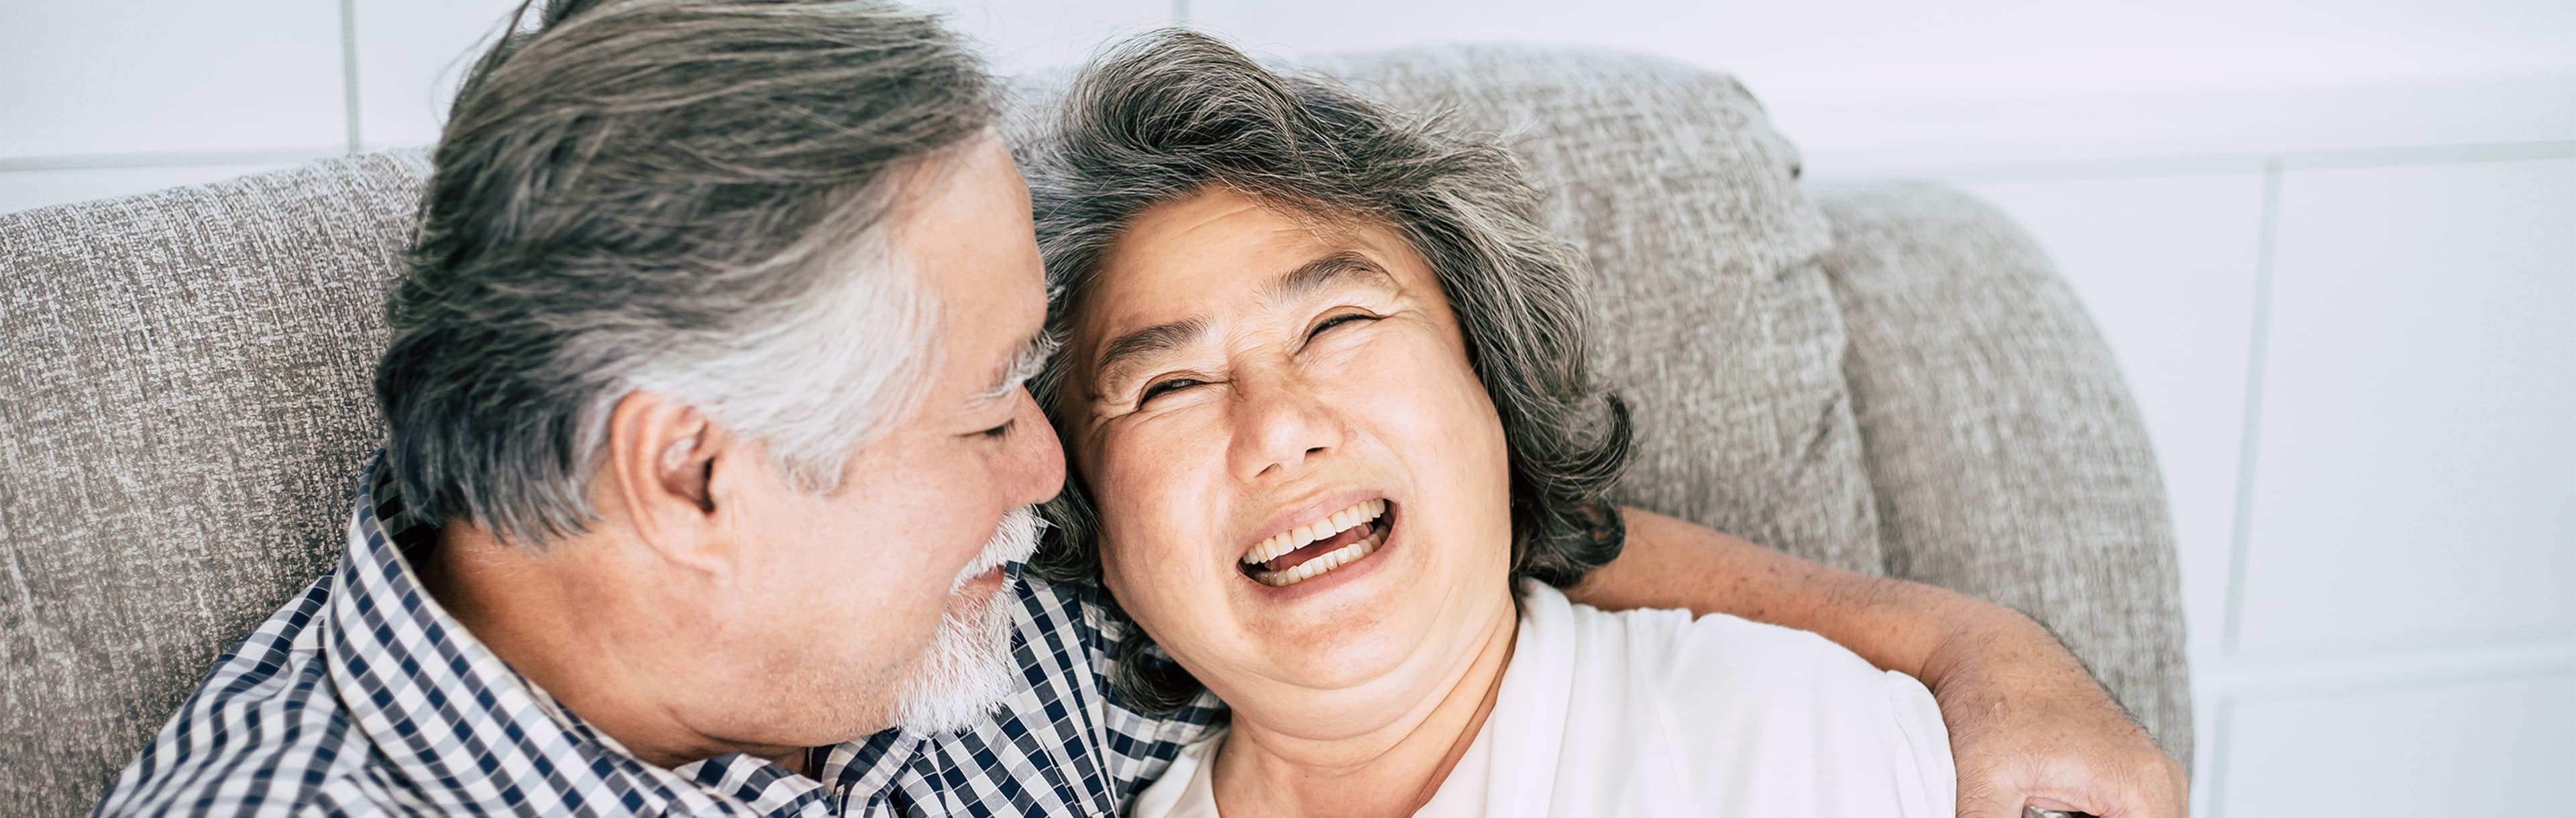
<point>1773,721</point>
<point>1921,736</point>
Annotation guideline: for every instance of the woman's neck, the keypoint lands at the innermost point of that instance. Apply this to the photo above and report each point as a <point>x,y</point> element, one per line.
<point>1388,770</point>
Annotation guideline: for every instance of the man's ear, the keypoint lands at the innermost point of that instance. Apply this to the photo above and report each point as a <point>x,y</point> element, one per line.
<point>661,458</point>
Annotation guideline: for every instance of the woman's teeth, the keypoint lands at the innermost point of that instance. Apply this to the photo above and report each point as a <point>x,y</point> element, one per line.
<point>1316,567</point>
<point>1351,534</point>
<point>1295,538</point>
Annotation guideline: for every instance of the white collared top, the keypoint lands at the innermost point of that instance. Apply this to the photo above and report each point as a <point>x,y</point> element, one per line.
<point>1655,713</point>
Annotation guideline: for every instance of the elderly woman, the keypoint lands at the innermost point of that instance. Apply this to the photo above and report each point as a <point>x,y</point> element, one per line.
<point>1336,451</point>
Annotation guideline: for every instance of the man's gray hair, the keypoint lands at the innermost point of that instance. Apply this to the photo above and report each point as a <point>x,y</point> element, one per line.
<point>1173,113</point>
<point>684,196</point>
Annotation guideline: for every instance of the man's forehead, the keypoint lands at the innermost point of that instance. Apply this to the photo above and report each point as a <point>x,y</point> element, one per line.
<point>964,233</point>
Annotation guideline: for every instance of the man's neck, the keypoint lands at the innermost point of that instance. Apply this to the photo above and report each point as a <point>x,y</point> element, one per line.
<point>538,612</point>
<point>1388,770</point>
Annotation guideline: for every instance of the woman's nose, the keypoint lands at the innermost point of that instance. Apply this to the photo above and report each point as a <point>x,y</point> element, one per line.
<point>1282,425</point>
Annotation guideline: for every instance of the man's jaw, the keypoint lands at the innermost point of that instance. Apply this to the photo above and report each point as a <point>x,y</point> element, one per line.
<point>967,671</point>
<point>968,668</point>
<point>1014,541</point>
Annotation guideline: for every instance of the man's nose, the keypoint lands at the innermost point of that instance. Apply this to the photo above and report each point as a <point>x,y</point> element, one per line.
<point>1038,470</point>
<point>1281,425</point>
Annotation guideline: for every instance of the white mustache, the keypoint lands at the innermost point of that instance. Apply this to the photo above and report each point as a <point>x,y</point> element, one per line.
<point>1015,540</point>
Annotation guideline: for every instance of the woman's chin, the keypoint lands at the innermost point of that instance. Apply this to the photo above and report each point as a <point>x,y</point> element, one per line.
<point>1348,653</point>
<point>1356,674</point>
<point>1351,635</point>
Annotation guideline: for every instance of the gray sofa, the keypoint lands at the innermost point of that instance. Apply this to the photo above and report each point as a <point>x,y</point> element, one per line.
<point>1882,376</point>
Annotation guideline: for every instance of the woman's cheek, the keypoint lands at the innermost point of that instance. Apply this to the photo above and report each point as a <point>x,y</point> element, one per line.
<point>1440,403</point>
<point>1148,482</point>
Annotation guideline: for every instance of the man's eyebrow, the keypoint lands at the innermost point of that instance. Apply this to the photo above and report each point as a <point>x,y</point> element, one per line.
<point>1317,274</point>
<point>1163,337</point>
<point>1024,364</point>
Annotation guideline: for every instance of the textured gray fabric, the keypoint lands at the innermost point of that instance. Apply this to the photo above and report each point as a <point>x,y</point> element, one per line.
<point>184,398</point>
<point>2009,459</point>
<point>183,410</point>
<point>1713,323</point>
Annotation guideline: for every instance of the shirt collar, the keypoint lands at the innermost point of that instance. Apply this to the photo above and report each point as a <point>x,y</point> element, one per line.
<point>475,737</point>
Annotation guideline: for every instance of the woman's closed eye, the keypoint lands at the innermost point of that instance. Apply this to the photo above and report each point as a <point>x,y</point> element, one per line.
<point>1337,320</point>
<point>1164,386</point>
<point>1178,383</point>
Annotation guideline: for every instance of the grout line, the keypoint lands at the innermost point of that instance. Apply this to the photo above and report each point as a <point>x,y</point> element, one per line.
<point>349,71</point>
<point>2429,154</point>
<point>2438,667</point>
<point>1999,172</point>
<point>2204,743</point>
<point>2216,800</point>
<point>2234,686</point>
<point>2209,163</point>
<point>2239,542</point>
<point>161,159</point>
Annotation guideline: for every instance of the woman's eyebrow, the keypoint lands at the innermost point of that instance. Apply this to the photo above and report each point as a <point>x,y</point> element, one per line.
<point>1325,271</point>
<point>1130,349</point>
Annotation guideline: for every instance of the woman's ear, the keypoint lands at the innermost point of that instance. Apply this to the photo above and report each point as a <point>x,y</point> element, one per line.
<point>661,460</point>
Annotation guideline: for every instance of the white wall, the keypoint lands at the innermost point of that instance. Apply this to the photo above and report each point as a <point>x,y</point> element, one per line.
<point>2333,243</point>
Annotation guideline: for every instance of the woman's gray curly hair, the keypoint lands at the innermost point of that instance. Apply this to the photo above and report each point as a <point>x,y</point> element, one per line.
<point>1174,112</point>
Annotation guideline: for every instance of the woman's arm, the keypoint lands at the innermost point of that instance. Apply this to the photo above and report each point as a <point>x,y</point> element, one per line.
<point>2027,724</point>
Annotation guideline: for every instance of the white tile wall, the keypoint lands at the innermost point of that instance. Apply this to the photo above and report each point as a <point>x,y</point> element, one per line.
<point>2397,585</point>
<point>2404,514</point>
<point>1880,84</point>
<point>1024,36</point>
<point>2416,461</point>
<point>411,55</point>
<point>2503,746</point>
<point>106,99</point>
<point>1970,48</point>
<point>169,75</point>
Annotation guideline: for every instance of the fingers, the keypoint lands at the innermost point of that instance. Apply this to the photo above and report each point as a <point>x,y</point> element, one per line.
<point>2110,782</point>
<point>1986,797</point>
<point>2145,788</point>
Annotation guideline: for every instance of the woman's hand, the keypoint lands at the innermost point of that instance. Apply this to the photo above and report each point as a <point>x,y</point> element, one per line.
<point>2028,725</point>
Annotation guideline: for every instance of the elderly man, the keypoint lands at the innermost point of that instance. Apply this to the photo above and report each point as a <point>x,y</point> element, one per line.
<point>708,478</point>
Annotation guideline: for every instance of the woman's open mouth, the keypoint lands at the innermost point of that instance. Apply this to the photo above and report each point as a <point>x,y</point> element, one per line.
<point>1312,550</point>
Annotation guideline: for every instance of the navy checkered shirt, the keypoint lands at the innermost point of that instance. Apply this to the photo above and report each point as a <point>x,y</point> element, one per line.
<point>363,697</point>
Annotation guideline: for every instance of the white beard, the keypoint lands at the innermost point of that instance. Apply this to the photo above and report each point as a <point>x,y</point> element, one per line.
<point>968,669</point>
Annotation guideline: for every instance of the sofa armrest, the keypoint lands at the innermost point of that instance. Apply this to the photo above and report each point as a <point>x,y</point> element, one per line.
<point>2006,455</point>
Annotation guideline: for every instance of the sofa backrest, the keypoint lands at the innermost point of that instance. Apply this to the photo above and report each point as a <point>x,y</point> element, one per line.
<point>1712,318</point>
<point>185,398</point>
<point>184,407</point>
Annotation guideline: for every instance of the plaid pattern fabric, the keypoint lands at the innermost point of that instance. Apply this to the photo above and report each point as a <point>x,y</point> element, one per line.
<point>362,697</point>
